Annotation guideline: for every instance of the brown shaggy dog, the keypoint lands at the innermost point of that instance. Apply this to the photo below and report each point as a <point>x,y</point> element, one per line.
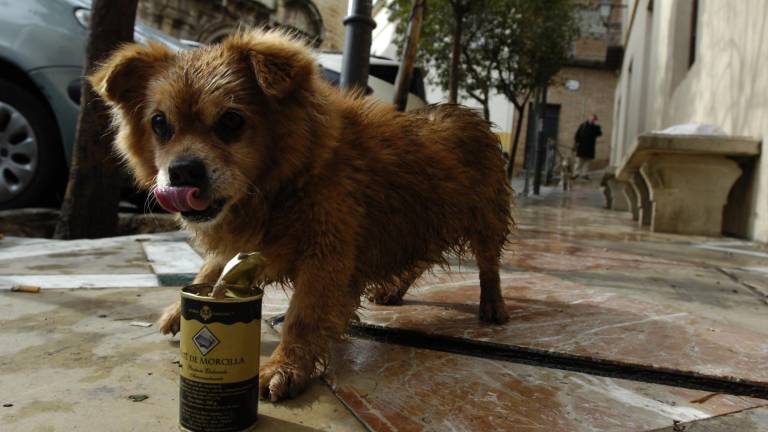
<point>344,196</point>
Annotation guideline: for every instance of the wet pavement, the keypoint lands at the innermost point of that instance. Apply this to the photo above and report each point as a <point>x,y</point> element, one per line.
<point>612,328</point>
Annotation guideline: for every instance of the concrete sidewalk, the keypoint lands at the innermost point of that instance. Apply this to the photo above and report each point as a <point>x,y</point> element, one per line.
<point>613,329</point>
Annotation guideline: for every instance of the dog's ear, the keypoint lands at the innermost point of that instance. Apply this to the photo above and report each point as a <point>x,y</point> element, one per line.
<point>123,78</point>
<point>280,62</point>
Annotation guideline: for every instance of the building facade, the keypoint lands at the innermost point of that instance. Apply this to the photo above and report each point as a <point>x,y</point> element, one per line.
<point>584,86</point>
<point>699,61</point>
<point>209,21</point>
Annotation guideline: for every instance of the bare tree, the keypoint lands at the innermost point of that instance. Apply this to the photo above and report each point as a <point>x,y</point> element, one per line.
<point>91,201</point>
<point>443,30</point>
<point>405,71</point>
<point>480,54</point>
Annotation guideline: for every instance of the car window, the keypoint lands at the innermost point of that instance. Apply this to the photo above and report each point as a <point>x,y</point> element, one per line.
<point>144,33</point>
<point>331,76</point>
<point>388,73</point>
<point>334,78</point>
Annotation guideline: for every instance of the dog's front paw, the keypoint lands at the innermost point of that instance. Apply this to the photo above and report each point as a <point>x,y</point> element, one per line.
<point>493,312</point>
<point>281,379</point>
<point>170,321</point>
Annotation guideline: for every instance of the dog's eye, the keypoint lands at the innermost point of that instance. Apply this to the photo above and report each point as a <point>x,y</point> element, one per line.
<point>228,126</point>
<point>160,126</point>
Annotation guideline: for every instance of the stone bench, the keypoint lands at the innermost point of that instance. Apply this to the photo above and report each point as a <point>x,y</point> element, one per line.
<point>680,183</point>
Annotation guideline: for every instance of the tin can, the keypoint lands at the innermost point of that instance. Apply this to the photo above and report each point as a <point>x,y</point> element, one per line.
<point>220,340</point>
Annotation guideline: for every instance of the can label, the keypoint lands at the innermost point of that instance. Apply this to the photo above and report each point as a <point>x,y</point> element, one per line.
<point>219,344</point>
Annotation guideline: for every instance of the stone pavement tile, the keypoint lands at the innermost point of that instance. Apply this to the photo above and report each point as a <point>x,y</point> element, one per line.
<point>172,257</point>
<point>748,420</point>
<point>70,359</point>
<point>143,280</point>
<point>401,388</point>
<point>140,261</point>
<point>15,248</point>
<point>128,257</point>
<point>552,314</point>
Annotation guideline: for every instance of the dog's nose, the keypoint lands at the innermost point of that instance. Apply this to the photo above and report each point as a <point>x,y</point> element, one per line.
<point>187,171</point>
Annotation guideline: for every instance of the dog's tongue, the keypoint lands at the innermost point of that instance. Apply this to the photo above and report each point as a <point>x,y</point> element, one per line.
<point>178,199</point>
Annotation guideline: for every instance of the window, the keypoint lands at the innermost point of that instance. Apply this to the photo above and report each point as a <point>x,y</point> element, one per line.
<point>303,17</point>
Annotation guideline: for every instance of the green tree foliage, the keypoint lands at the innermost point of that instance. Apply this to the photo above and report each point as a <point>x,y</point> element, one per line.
<point>539,36</point>
<point>508,46</point>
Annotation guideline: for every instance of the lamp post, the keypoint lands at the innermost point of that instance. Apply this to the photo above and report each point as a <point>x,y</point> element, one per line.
<point>357,45</point>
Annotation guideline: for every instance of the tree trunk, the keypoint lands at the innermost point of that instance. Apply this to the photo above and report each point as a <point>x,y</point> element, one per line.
<point>518,128</point>
<point>486,109</point>
<point>405,71</point>
<point>453,78</point>
<point>529,153</point>
<point>91,201</point>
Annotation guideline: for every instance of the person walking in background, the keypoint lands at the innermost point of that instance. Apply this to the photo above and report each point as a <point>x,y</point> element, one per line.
<point>584,143</point>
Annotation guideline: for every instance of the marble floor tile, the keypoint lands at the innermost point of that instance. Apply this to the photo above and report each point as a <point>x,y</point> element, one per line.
<point>748,420</point>
<point>711,293</point>
<point>395,388</point>
<point>553,314</point>
<point>557,255</point>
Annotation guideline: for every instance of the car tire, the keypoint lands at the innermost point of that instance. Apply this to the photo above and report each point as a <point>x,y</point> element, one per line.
<point>32,165</point>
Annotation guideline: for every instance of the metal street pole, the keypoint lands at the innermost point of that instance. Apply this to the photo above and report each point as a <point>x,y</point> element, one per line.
<point>541,145</point>
<point>357,45</point>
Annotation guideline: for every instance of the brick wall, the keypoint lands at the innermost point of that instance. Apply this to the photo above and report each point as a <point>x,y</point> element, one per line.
<point>595,95</point>
<point>590,49</point>
<point>596,84</point>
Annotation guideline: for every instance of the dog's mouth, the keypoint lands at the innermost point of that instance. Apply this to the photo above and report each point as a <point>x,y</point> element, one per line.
<point>188,201</point>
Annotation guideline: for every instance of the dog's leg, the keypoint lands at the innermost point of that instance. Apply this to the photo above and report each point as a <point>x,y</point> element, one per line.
<point>322,304</point>
<point>392,294</point>
<point>169,320</point>
<point>492,307</point>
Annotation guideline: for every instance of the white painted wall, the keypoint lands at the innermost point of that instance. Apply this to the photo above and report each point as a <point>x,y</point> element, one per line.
<point>727,85</point>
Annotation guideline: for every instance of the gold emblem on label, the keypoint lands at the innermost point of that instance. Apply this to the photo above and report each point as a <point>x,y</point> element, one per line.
<point>205,313</point>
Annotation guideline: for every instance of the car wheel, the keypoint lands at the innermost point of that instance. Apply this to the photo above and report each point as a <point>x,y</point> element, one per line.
<point>32,164</point>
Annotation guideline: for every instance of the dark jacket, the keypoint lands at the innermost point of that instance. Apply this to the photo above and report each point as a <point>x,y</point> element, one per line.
<point>585,139</point>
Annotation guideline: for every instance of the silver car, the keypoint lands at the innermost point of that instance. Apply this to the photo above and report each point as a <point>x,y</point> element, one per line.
<point>42,52</point>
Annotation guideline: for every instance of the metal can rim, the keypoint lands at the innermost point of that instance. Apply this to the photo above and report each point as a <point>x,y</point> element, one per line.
<point>248,429</point>
<point>194,296</point>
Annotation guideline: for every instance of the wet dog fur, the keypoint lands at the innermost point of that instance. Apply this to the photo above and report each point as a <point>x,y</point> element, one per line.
<point>343,195</point>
